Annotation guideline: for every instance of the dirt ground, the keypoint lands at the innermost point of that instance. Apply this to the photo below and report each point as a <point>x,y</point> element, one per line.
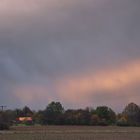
<point>71,133</point>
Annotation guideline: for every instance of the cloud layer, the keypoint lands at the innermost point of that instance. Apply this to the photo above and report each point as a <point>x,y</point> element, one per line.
<point>83,53</point>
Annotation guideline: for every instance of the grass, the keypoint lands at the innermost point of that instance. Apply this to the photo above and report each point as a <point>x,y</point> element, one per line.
<point>71,133</point>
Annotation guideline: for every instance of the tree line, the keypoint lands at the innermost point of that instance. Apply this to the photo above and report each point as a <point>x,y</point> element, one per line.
<point>55,114</point>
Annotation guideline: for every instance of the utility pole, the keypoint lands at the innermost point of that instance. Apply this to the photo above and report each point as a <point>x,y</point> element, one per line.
<point>3,107</point>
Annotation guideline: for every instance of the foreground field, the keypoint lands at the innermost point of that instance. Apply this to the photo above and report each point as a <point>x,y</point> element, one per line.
<point>71,133</point>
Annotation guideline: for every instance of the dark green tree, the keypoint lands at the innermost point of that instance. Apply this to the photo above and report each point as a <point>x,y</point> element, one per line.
<point>53,113</point>
<point>107,115</point>
<point>39,118</point>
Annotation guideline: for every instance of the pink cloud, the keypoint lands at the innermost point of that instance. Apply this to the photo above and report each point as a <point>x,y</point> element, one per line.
<point>78,89</point>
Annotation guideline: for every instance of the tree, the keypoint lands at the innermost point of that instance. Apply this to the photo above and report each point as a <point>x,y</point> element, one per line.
<point>107,115</point>
<point>69,117</point>
<point>11,115</point>
<point>132,111</point>
<point>53,113</point>
<point>39,118</point>
<point>122,120</point>
<point>94,120</point>
<point>83,116</point>
<point>77,117</point>
<point>19,113</point>
<point>4,121</point>
<point>27,112</point>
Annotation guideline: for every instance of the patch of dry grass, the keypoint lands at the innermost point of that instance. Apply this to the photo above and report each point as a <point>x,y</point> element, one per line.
<point>71,133</point>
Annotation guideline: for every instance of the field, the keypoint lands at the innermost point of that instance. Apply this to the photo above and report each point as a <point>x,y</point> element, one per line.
<point>71,133</point>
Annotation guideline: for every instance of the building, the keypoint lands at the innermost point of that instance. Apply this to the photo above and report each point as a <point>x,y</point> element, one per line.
<point>25,120</point>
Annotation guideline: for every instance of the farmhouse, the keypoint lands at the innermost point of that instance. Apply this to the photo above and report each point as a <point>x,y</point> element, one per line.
<point>25,120</point>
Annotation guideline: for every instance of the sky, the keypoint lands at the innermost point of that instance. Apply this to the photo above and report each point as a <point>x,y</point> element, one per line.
<point>79,52</point>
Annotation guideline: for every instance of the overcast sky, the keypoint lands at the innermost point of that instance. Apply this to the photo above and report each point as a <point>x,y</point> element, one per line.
<point>79,52</point>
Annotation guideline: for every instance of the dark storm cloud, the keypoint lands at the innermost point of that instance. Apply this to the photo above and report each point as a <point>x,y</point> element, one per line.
<point>43,40</point>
